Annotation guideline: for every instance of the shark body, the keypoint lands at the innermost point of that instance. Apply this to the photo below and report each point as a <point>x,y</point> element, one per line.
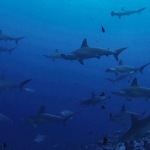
<point>7,50</point>
<point>43,118</point>
<point>6,85</point>
<point>86,52</point>
<point>94,100</point>
<point>126,13</point>
<point>6,38</point>
<point>134,91</point>
<point>120,68</point>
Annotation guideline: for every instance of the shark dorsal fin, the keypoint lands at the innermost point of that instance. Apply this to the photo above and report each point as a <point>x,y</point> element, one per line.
<point>134,120</point>
<point>134,82</point>
<point>120,62</point>
<point>41,110</point>
<point>123,108</point>
<point>84,43</point>
<point>93,95</point>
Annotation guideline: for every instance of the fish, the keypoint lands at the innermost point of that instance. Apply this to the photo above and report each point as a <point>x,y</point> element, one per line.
<point>53,56</point>
<point>86,52</point>
<point>139,128</point>
<point>4,49</point>
<point>93,100</point>
<point>6,38</point>
<point>43,118</point>
<point>103,29</point>
<point>7,85</point>
<point>120,68</point>
<point>127,13</point>
<point>124,116</point>
<point>134,91</point>
<point>121,77</point>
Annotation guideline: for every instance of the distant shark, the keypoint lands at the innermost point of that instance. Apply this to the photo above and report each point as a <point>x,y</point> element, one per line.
<point>53,56</point>
<point>41,117</point>
<point>8,50</point>
<point>6,85</point>
<point>134,91</point>
<point>93,100</point>
<point>138,129</point>
<point>6,38</point>
<point>121,77</point>
<point>120,68</point>
<point>86,52</point>
<point>126,13</point>
<point>124,116</point>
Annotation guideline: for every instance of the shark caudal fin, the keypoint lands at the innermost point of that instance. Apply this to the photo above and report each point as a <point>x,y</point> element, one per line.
<point>18,39</point>
<point>21,85</point>
<point>143,67</point>
<point>118,51</point>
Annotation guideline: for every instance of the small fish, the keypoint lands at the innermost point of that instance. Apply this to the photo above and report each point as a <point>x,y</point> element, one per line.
<point>102,28</point>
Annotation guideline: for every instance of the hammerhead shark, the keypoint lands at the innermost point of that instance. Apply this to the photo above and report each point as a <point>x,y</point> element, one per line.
<point>4,49</point>
<point>6,38</point>
<point>138,129</point>
<point>42,117</point>
<point>6,85</point>
<point>126,13</point>
<point>86,52</point>
<point>53,56</point>
<point>124,116</point>
<point>120,68</point>
<point>93,100</point>
<point>134,91</point>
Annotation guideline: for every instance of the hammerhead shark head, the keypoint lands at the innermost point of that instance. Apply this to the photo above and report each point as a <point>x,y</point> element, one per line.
<point>94,99</point>
<point>86,52</point>
<point>126,13</point>
<point>9,38</point>
<point>120,68</point>
<point>6,85</point>
<point>134,91</point>
<point>138,129</point>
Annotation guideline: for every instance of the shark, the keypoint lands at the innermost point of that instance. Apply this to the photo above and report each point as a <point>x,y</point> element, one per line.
<point>134,91</point>
<point>124,116</point>
<point>8,50</point>
<point>138,129</point>
<point>93,100</point>
<point>120,68</point>
<point>6,38</point>
<point>42,118</point>
<point>86,52</point>
<point>7,85</point>
<point>127,13</point>
<point>122,76</point>
<point>53,56</point>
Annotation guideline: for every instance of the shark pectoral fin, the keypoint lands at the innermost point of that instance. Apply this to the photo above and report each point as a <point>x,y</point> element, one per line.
<point>81,61</point>
<point>119,16</point>
<point>21,85</point>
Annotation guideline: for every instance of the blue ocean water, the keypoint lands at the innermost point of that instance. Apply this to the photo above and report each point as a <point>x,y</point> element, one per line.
<point>51,25</point>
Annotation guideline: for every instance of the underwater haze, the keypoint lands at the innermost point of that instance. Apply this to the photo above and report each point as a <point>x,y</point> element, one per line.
<point>49,65</point>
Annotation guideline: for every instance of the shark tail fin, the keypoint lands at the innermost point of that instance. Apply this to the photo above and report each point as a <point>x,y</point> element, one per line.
<point>111,80</point>
<point>10,50</point>
<point>18,39</point>
<point>21,85</point>
<point>142,67</point>
<point>118,51</point>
